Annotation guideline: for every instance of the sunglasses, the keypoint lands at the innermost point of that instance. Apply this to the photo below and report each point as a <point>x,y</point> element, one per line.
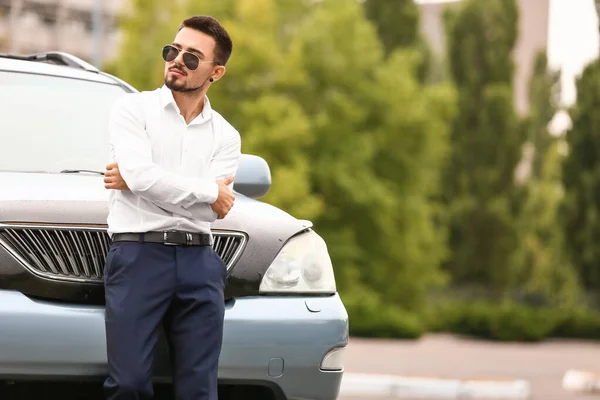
<point>190,60</point>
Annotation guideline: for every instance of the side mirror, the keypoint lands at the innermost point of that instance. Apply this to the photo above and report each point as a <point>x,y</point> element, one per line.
<point>253,177</point>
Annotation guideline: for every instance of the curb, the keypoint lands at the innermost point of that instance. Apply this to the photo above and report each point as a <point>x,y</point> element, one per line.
<point>581,381</point>
<point>402,387</point>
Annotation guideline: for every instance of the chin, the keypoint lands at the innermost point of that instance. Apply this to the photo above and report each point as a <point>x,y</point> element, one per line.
<point>172,84</point>
<point>182,88</point>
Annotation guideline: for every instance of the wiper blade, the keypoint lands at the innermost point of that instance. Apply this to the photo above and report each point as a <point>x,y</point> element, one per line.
<point>78,171</point>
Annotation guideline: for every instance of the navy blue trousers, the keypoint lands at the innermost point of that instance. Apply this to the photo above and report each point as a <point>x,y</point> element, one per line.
<point>152,286</point>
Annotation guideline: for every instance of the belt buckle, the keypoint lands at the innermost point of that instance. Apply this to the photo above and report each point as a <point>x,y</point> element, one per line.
<point>166,240</point>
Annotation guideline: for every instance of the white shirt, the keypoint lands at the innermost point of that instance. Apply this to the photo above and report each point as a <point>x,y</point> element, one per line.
<point>170,167</point>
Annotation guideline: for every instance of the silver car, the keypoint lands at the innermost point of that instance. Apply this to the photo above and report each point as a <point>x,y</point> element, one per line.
<point>286,328</point>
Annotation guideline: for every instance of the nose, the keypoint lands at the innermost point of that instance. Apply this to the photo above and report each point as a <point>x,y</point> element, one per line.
<point>179,58</point>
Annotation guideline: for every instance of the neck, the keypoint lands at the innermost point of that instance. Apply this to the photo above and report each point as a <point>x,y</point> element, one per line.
<point>190,104</point>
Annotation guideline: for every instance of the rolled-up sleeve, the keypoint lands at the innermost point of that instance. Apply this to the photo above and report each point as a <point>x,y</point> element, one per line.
<point>133,153</point>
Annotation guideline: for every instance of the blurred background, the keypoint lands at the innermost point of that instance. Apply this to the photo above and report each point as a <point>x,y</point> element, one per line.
<point>448,152</point>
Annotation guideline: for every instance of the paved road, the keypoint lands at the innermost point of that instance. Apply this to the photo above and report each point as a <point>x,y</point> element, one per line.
<point>442,356</point>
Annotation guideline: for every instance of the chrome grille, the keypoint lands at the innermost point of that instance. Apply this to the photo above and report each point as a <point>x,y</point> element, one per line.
<point>80,253</point>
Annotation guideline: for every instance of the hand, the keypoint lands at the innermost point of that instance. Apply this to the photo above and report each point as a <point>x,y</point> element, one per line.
<point>113,179</point>
<point>225,198</point>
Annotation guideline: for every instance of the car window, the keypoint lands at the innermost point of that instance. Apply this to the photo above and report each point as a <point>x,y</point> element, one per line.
<point>50,123</point>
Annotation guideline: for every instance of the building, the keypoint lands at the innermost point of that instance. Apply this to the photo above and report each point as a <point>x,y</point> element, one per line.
<point>86,28</point>
<point>534,18</point>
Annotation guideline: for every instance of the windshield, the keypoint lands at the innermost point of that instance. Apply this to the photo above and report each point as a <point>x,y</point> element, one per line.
<point>51,124</point>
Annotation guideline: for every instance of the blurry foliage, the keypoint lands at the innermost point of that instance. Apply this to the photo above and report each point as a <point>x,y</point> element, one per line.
<point>511,321</point>
<point>397,25</point>
<point>397,22</point>
<point>543,265</point>
<point>486,144</point>
<point>581,178</point>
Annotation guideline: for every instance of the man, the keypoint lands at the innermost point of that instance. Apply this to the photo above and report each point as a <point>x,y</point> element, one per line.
<point>174,162</point>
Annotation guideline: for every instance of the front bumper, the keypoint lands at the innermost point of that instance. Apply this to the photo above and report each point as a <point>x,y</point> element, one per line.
<point>274,341</point>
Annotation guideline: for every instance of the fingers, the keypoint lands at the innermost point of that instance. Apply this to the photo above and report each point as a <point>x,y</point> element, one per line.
<point>112,169</point>
<point>114,181</point>
<point>109,182</point>
<point>222,214</point>
<point>113,172</point>
<point>112,176</point>
<point>115,186</point>
<point>227,180</point>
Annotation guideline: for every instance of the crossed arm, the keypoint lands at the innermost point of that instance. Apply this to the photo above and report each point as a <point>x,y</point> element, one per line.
<point>134,170</point>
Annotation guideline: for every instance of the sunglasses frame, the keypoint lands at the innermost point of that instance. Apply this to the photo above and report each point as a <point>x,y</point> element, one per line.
<point>168,47</point>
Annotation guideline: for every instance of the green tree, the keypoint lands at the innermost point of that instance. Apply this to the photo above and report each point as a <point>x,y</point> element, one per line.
<point>397,25</point>
<point>581,178</point>
<point>544,103</point>
<point>486,144</point>
<point>397,22</point>
<point>376,166</point>
<point>543,266</point>
<point>354,141</point>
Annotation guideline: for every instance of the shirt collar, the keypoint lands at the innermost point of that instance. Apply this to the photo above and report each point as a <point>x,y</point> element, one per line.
<point>166,98</point>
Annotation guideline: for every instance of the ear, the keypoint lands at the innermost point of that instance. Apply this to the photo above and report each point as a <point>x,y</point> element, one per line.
<point>218,72</point>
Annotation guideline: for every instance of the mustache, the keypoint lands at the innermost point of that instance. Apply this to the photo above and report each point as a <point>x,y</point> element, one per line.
<point>180,69</point>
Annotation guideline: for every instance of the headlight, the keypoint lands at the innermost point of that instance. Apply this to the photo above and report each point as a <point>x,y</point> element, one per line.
<point>302,266</point>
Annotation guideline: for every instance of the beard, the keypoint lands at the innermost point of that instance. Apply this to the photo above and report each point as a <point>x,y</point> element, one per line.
<point>171,83</point>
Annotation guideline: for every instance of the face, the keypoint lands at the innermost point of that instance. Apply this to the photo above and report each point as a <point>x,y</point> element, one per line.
<point>180,78</point>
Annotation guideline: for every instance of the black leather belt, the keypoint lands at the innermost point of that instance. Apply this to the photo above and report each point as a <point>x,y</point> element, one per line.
<point>170,238</point>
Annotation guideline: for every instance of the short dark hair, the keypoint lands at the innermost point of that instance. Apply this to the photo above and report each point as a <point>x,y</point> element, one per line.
<point>213,28</point>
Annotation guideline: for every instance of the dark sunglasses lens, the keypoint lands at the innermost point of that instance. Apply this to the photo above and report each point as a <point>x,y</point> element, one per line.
<point>190,61</point>
<point>170,53</point>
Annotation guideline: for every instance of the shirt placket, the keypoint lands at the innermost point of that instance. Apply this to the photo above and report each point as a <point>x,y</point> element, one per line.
<point>185,145</point>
